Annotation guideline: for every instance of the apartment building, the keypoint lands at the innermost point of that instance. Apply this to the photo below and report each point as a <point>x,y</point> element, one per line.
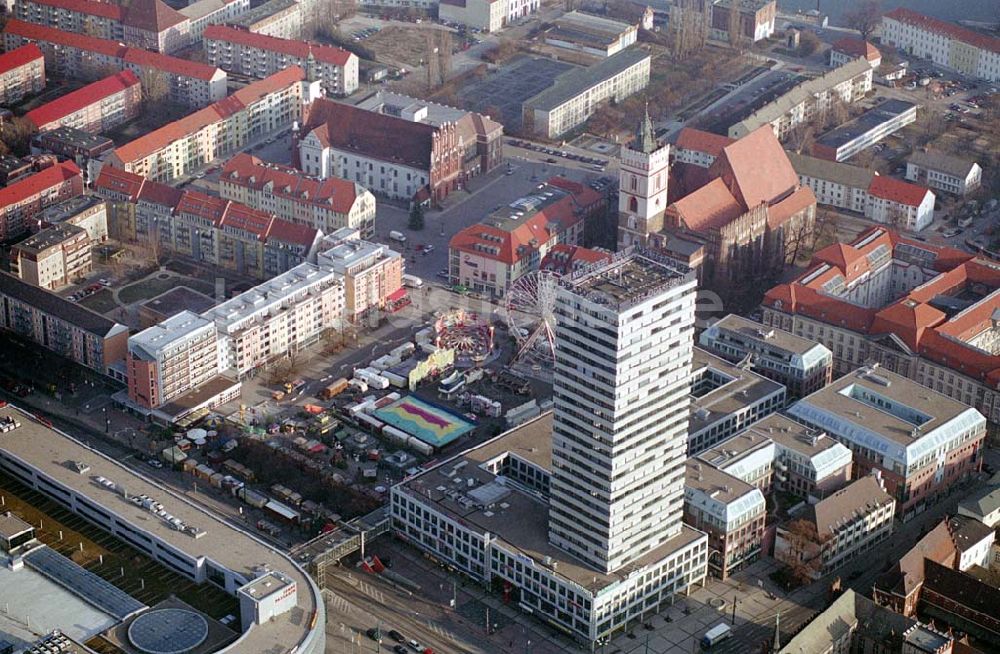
<point>97,107</point>
<point>277,318</point>
<point>577,93</point>
<point>551,531</point>
<point>147,24</point>
<point>484,15</point>
<point>944,172</point>
<point>170,359</point>
<point>900,205</point>
<point>969,52</point>
<point>847,140</point>
<point>21,201</point>
<point>699,148</point>
<point>725,400</point>
<point>732,512</point>
<point>74,144</point>
<point>70,55</point>
<point>52,258</point>
<point>22,72</point>
<point>88,212</point>
<point>834,184</point>
<point>183,146</point>
<point>919,310</point>
<point>920,441</point>
<point>848,84</point>
<point>203,13</point>
<point>326,204</point>
<point>12,169</point>
<point>258,56</point>
<point>424,153</point>
<point>848,49</point>
<point>591,34</point>
<point>278,18</point>
<point>983,505</point>
<point>372,272</point>
<point>490,256</point>
<point>829,534</point>
<point>800,365</point>
<point>69,330</point>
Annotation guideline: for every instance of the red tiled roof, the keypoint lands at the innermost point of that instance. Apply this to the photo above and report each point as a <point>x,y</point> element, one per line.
<point>756,168</point>
<point>151,16</point>
<point>89,7</point>
<point>158,139</point>
<point>65,105</point>
<point>168,64</point>
<point>19,57</point>
<point>204,206</point>
<point>583,196</point>
<point>710,207</point>
<point>332,193</point>
<point>301,49</point>
<point>908,320</point>
<point>32,185</point>
<point>894,190</point>
<point>242,217</point>
<point>952,30</point>
<point>565,259</point>
<point>160,194</point>
<point>287,232</point>
<point>700,141</point>
<point>35,32</point>
<point>857,48</point>
<point>376,135</point>
<point>779,213</point>
<point>840,256</point>
<point>115,180</point>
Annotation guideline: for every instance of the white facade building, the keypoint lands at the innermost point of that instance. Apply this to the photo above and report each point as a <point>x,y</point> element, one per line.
<point>485,15</point>
<point>834,183</point>
<point>946,44</point>
<point>899,204</point>
<point>944,172</point>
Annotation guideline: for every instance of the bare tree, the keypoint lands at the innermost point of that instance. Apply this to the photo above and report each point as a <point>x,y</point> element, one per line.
<point>865,18</point>
<point>16,134</point>
<point>804,556</point>
<point>808,44</point>
<point>155,86</point>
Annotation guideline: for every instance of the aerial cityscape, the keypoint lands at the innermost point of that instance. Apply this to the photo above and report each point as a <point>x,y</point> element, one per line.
<point>499,327</point>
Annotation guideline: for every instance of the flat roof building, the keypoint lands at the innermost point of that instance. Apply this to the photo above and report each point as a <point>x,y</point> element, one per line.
<point>591,34</point>
<point>847,140</point>
<point>800,365</point>
<point>52,258</point>
<point>172,302</point>
<point>72,143</point>
<point>920,441</point>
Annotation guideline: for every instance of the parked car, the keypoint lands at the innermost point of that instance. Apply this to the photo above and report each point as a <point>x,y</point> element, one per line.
<point>374,634</point>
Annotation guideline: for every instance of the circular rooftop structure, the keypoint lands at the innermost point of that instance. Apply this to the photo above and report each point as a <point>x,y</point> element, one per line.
<point>168,631</point>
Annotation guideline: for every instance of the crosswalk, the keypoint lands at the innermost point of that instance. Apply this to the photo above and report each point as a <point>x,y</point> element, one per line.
<point>336,602</point>
<point>440,631</point>
<point>371,591</point>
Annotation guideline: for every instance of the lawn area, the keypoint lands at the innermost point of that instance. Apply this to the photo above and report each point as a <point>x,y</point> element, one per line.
<point>102,302</point>
<point>153,286</point>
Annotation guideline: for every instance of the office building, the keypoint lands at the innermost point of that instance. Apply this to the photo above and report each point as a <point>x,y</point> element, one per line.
<point>22,72</point>
<point>97,107</point>
<point>800,365</point>
<point>69,55</point>
<point>258,56</point>
<point>845,141</point>
<point>839,528</point>
<point>944,172</point>
<point>372,272</point>
<point>183,146</point>
<point>969,52</point>
<point>577,93</point>
<point>834,184</point>
<point>810,99</point>
<point>277,318</point>
<point>726,399</point>
<point>196,544</point>
<point>730,511</point>
<point>416,152</point>
<point>848,49</point>
<point>748,456</point>
<point>21,201</point>
<point>572,551</point>
<point>490,256</point>
<point>918,440</point>
<point>808,463</point>
<point>900,205</point>
<point>52,258</point>
<point>326,204</point>
<point>591,34</point>
<point>920,310</point>
<point>71,331</point>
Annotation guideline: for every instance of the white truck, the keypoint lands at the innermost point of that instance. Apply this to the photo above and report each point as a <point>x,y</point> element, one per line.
<point>372,378</point>
<point>716,634</point>
<point>412,281</point>
<point>399,237</point>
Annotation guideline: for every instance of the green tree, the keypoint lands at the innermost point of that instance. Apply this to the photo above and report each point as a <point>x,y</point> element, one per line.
<point>416,217</point>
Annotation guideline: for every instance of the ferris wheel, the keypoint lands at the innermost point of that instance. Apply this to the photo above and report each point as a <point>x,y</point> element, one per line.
<point>530,305</point>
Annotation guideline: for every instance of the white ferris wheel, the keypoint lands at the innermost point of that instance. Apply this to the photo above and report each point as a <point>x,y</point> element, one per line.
<point>530,305</point>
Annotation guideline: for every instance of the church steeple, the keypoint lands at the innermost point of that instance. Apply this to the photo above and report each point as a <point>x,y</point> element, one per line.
<point>645,139</point>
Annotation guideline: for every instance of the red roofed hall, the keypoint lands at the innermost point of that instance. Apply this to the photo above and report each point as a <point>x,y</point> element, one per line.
<point>22,72</point>
<point>899,204</point>
<point>257,55</point>
<point>20,201</point>
<point>97,107</point>
<point>926,312</point>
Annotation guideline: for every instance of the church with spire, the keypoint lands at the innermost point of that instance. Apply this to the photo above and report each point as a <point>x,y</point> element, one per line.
<point>642,184</point>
